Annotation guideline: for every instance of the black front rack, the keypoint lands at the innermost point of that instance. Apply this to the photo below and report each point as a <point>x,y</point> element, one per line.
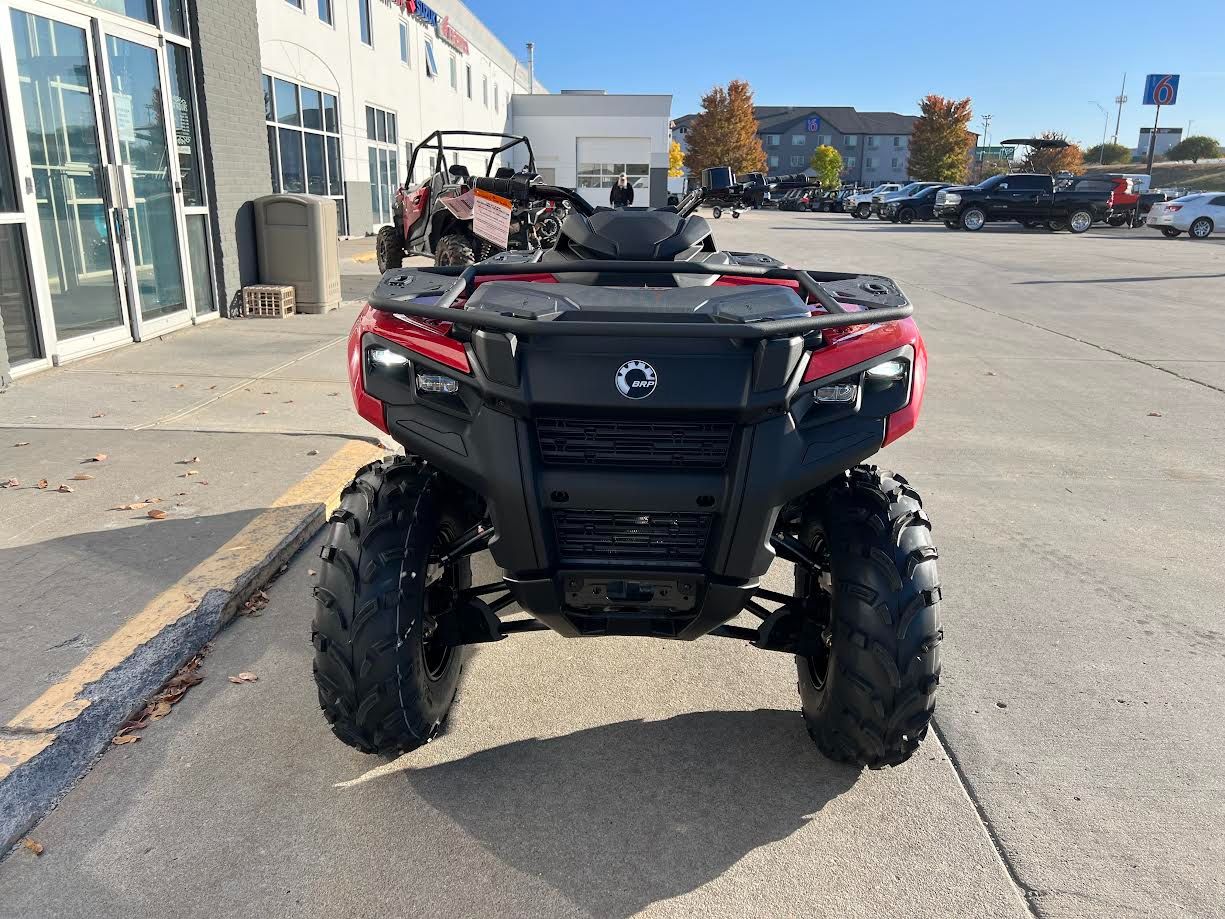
<point>816,285</point>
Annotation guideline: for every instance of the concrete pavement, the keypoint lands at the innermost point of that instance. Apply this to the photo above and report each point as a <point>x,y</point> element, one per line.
<point>1069,457</point>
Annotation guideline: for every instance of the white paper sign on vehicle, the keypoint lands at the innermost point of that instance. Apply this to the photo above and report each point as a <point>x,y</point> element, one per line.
<point>491,218</point>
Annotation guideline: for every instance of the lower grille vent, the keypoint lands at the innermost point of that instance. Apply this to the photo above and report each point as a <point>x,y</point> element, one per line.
<point>631,536</point>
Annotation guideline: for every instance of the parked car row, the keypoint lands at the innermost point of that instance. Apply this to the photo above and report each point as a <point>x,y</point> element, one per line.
<point>1063,202</point>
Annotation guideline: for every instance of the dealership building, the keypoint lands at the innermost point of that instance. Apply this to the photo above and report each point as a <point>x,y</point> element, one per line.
<point>135,135</point>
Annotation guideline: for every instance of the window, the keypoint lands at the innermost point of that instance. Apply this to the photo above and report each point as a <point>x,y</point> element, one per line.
<point>384,162</point>
<point>468,78</point>
<point>899,142</point>
<point>869,163</point>
<point>454,74</point>
<point>431,65</point>
<point>896,163</point>
<point>797,159</point>
<point>824,140</point>
<point>485,91</point>
<point>873,141</point>
<point>605,175</point>
<point>404,42</point>
<point>295,3</point>
<point>850,162</point>
<point>773,158</point>
<point>1032,182</point>
<point>184,125</point>
<point>772,140</point>
<point>304,141</point>
<point>1218,201</point>
<point>851,140</point>
<point>495,96</point>
<point>797,140</point>
<point>364,23</point>
<point>325,11</point>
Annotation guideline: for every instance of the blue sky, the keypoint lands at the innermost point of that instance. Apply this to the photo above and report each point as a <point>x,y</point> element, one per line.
<point>1033,71</point>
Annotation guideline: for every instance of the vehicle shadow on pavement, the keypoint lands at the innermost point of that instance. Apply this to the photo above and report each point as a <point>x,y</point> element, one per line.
<point>1160,277</point>
<point>620,816</point>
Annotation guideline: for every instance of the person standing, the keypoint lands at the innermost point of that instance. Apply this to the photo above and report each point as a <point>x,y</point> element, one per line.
<point>622,194</point>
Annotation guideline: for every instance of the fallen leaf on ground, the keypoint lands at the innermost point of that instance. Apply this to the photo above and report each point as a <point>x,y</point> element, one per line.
<point>333,394</point>
<point>202,483</point>
<point>287,402</point>
<point>312,452</point>
<point>134,506</point>
<point>82,477</point>
<point>33,845</point>
<point>310,572</point>
<point>262,413</point>
<point>244,678</point>
<point>42,483</point>
<point>125,738</point>
<point>11,483</point>
<point>98,415</point>
<point>1154,414</point>
<point>96,458</point>
<point>64,487</point>
<point>189,461</point>
<point>22,443</point>
<point>189,472</point>
<point>159,711</point>
<point>157,514</point>
<point>177,386</point>
<point>152,500</point>
<point>214,386</point>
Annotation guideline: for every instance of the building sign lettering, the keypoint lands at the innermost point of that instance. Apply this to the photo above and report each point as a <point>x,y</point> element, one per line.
<point>442,26</point>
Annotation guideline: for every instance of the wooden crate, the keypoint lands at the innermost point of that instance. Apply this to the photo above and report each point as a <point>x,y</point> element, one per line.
<point>267,301</point>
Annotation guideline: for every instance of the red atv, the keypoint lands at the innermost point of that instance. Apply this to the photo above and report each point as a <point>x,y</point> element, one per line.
<point>638,427</point>
<point>434,218</point>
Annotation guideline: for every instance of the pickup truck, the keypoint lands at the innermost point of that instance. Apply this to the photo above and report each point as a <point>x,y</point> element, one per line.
<point>1028,198</point>
<point>860,205</point>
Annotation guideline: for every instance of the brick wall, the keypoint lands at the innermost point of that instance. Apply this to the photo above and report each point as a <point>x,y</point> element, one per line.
<point>227,60</point>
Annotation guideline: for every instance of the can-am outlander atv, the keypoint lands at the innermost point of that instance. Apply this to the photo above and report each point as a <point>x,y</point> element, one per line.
<point>637,426</point>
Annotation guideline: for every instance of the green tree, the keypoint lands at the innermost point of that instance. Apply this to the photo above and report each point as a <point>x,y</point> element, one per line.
<point>724,133</point>
<point>827,164</point>
<point>940,143</point>
<point>1108,153</point>
<point>676,161</point>
<point>1194,148</point>
<point>1055,159</point>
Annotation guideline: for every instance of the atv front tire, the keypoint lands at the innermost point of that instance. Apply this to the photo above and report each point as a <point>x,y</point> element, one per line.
<point>869,694</point>
<point>386,679</point>
<point>455,249</point>
<point>389,249</point>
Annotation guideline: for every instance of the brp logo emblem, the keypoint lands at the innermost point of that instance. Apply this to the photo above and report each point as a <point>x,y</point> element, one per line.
<point>636,379</point>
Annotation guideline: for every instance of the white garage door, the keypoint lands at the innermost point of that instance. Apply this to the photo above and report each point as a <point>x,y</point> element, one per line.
<point>602,159</point>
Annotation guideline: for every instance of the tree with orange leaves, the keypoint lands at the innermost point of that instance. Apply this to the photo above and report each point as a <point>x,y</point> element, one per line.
<point>724,133</point>
<point>1056,159</point>
<point>940,143</point>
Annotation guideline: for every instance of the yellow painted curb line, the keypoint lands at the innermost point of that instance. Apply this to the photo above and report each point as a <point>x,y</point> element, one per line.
<point>364,257</point>
<point>237,569</point>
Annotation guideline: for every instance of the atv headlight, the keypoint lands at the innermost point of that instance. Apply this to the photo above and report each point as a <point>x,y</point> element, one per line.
<point>385,357</point>
<point>436,383</point>
<point>889,370</point>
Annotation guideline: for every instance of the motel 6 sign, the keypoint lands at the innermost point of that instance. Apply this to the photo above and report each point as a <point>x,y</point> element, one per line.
<point>1161,89</point>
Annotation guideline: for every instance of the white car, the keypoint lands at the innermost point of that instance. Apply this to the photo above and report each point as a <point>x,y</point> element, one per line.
<point>860,205</point>
<point>1196,215</point>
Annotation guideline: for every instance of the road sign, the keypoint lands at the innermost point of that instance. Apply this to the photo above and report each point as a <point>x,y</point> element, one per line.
<point>812,124</point>
<point>994,153</point>
<point>1161,89</point>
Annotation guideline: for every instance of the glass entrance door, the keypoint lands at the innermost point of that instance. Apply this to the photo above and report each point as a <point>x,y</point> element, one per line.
<point>148,176</point>
<point>70,170</point>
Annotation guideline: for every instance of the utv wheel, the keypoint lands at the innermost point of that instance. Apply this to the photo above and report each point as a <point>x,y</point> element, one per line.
<point>951,225</point>
<point>389,249</point>
<point>716,212</point>
<point>1170,232</point>
<point>735,215</point>
<point>1118,220</point>
<point>868,695</point>
<point>905,215</point>
<point>386,679</point>
<point>1201,228</point>
<point>1056,225</point>
<point>1080,221</point>
<point>973,219</point>
<point>455,249</point>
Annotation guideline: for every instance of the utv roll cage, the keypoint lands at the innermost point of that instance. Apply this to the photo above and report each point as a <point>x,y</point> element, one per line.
<point>439,144</point>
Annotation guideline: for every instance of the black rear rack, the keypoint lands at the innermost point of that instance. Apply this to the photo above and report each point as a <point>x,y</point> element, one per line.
<point>814,284</point>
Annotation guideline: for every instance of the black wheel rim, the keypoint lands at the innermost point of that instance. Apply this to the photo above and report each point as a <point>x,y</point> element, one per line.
<point>819,595</point>
<point>440,597</point>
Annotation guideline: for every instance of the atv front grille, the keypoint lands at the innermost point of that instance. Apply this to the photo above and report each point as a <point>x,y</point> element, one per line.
<point>657,444</point>
<point>630,537</point>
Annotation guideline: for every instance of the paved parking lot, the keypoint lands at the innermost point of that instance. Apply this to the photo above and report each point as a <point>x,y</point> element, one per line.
<point>1070,457</point>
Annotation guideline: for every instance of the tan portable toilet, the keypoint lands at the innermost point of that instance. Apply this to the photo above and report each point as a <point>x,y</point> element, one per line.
<point>296,240</point>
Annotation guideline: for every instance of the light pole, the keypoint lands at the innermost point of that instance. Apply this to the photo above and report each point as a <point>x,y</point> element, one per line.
<point>1101,151</point>
<point>1120,99</point>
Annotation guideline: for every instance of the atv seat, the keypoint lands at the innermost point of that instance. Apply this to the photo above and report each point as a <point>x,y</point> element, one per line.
<point>458,171</point>
<point>638,235</point>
